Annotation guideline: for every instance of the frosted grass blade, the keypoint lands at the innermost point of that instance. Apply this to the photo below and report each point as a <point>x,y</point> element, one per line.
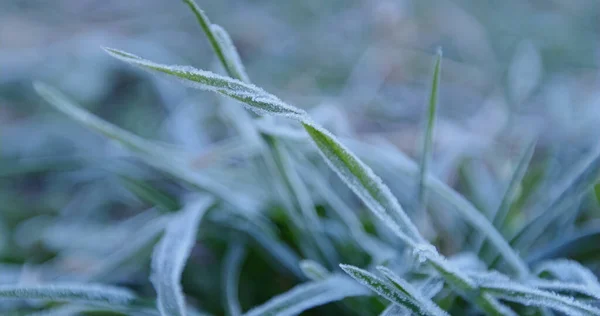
<point>364,183</point>
<point>88,293</point>
<point>254,98</point>
<point>309,295</point>
<point>583,246</point>
<point>429,128</point>
<point>233,63</point>
<point>384,289</point>
<point>425,303</point>
<point>221,44</point>
<point>571,274</point>
<point>170,255</point>
<point>231,275</point>
<point>443,197</point>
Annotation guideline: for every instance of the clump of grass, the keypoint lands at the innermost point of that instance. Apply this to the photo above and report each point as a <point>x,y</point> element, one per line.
<point>318,252</point>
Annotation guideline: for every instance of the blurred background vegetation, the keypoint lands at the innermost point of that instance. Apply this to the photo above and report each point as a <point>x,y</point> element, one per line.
<point>514,70</point>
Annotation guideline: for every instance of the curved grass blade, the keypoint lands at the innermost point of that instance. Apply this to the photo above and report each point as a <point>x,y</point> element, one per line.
<point>309,295</point>
<point>231,275</point>
<point>150,194</point>
<point>429,128</point>
<point>86,293</point>
<point>170,256</point>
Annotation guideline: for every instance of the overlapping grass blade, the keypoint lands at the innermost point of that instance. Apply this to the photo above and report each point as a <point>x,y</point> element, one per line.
<point>429,128</point>
<point>583,247</point>
<point>231,276</point>
<point>387,290</point>
<point>309,295</point>
<point>425,303</point>
<point>170,256</point>
<point>396,310</point>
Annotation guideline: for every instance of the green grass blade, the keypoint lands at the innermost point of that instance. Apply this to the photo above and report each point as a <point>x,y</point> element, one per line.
<point>170,255</point>
<point>429,128</point>
<point>146,192</point>
<point>231,275</point>
<point>309,295</point>
<point>582,247</point>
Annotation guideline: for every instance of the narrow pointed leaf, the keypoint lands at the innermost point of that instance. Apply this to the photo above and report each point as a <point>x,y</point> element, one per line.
<point>429,128</point>
<point>254,98</point>
<point>170,256</point>
<point>309,295</point>
<point>426,304</point>
<point>384,289</point>
<point>313,270</point>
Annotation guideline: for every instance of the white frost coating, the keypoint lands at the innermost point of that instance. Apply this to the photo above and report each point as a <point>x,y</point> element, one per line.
<point>425,303</point>
<point>512,291</point>
<point>566,288</point>
<point>170,255</point>
<point>69,292</point>
<point>253,97</point>
<point>231,275</point>
<point>382,288</point>
<point>370,189</point>
<point>309,295</point>
<point>232,58</point>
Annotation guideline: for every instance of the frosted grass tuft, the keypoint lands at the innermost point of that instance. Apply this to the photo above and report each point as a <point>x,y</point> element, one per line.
<point>87,293</point>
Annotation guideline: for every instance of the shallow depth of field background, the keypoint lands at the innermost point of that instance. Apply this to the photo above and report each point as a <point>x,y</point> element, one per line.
<point>513,71</point>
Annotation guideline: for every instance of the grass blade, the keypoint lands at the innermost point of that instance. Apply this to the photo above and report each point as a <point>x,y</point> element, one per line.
<point>385,289</point>
<point>231,275</point>
<point>254,98</point>
<point>309,295</point>
<point>429,128</point>
<point>221,44</point>
<point>92,294</point>
<point>170,256</point>
<point>583,247</point>
<point>396,310</point>
<point>426,304</point>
